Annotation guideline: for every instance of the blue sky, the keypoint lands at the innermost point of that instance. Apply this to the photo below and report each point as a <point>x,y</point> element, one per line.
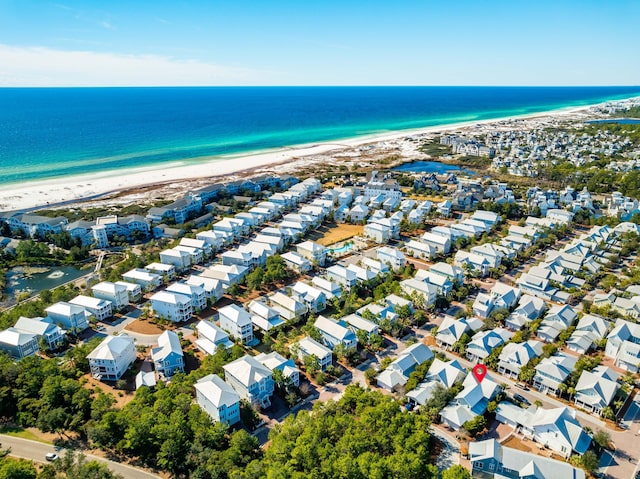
<point>272,42</point>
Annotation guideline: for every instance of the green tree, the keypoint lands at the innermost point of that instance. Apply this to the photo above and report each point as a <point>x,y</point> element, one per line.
<point>456,472</point>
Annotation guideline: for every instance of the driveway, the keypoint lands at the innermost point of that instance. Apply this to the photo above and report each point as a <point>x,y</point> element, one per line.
<point>450,454</point>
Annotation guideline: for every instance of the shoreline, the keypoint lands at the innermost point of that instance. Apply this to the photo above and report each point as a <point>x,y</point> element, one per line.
<point>176,177</point>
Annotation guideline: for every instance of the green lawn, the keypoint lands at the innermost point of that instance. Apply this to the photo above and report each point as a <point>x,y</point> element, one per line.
<point>23,433</point>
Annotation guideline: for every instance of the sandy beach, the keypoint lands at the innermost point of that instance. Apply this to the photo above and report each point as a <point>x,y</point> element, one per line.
<point>174,179</point>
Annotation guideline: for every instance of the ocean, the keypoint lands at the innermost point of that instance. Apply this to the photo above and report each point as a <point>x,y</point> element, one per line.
<point>54,132</point>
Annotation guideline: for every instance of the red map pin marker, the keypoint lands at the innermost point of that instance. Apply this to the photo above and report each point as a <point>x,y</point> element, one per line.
<point>479,371</point>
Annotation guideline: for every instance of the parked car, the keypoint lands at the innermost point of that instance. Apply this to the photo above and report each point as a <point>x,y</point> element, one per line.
<point>521,399</point>
<point>51,456</point>
<point>522,386</point>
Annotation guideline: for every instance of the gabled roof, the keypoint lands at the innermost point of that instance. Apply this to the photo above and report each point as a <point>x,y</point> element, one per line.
<point>168,343</point>
<point>218,392</point>
<point>247,370</point>
<point>111,348</point>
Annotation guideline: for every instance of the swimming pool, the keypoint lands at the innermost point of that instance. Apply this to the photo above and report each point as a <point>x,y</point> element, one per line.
<point>341,249</point>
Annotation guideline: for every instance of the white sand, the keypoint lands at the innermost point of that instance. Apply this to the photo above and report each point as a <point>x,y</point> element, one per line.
<point>73,189</point>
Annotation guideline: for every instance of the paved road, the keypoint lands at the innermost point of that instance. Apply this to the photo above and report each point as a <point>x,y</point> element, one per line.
<point>26,449</point>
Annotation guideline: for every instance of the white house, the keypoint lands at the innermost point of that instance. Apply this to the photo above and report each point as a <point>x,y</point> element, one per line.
<point>308,347</point>
<point>314,252</point>
<point>419,249</point>
<point>18,344</point>
<point>442,283</point>
<point>180,259</point>
<point>377,232</point>
<point>483,342</point>
<point>68,315</point>
<point>275,361</point>
<point>195,294</point>
<point>167,271</point>
<point>470,402</point>
<point>341,275</point>
<point>516,355</point>
<point>451,272</point>
<point>133,290</point>
<point>553,371</point>
<point>168,357</point>
<point>557,319</point>
<point>590,328</point>
<point>398,372</point>
<point>452,329</point>
<point>296,262</point>
<point>218,399</point>
<point>211,337</point>
<point>98,308</point>
<point>264,317</point>
<point>117,294</point>
<point>472,262</point>
<point>43,328</point>
<point>419,289</point>
<point>212,287</point>
<point>237,322</point>
<point>623,345</point>
<point>111,359</point>
<point>172,306</point>
<point>329,288</point>
<point>335,332</point>
<point>288,307</point>
<point>148,281</point>
<point>529,308</point>
<point>442,244</point>
<point>314,298</point>
<point>441,374</point>
<point>596,389</point>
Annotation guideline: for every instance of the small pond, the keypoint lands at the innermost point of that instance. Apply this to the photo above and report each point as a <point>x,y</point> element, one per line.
<point>37,278</point>
<point>430,167</point>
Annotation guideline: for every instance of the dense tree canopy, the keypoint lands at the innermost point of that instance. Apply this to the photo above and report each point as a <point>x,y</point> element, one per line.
<point>363,435</point>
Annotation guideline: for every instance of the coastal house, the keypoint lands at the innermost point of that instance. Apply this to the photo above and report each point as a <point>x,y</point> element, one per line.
<point>397,373</point>
<point>18,344</point>
<point>377,232</point>
<point>470,402</point>
<point>226,274</point>
<point>296,262</point>
<point>309,347</point>
<point>147,281</point>
<point>483,342</point>
<point>449,271</point>
<point>113,356</point>
<point>314,252</point>
<point>116,294</point>
<point>288,307</point>
<point>341,275</point>
<point>211,337</point>
<point>196,294</point>
<point>589,329</point>
<point>275,361</point>
<point>358,323</point>
<point>43,328</point>
<point>557,319</point>
<point>420,249</point>
<point>329,288</point>
<point>442,244</point>
<point>314,298</point>
<point>553,371</point>
<point>596,389</point>
<point>100,309</point>
<point>516,355</point>
<point>172,306</point>
<point>69,316</point>
<point>528,308</point>
<point>134,291</point>
<point>167,271</point>
<point>218,399</point>
<point>179,258</point>
<point>168,357</point>
<point>442,283</point>
<point>264,317</point>
<point>335,332</point>
<point>556,429</point>
<point>441,374</point>
<point>251,380</point>
<point>421,290</point>
<point>623,345</point>
<point>490,457</point>
<point>237,322</point>
<point>452,329</point>
<point>212,287</point>
<point>474,263</point>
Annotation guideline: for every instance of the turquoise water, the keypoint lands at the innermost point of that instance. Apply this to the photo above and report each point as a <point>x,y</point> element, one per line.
<point>55,132</point>
<point>20,281</point>
<point>341,249</point>
<point>430,167</point>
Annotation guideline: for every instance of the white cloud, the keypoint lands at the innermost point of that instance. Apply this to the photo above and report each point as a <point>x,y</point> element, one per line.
<point>39,66</point>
